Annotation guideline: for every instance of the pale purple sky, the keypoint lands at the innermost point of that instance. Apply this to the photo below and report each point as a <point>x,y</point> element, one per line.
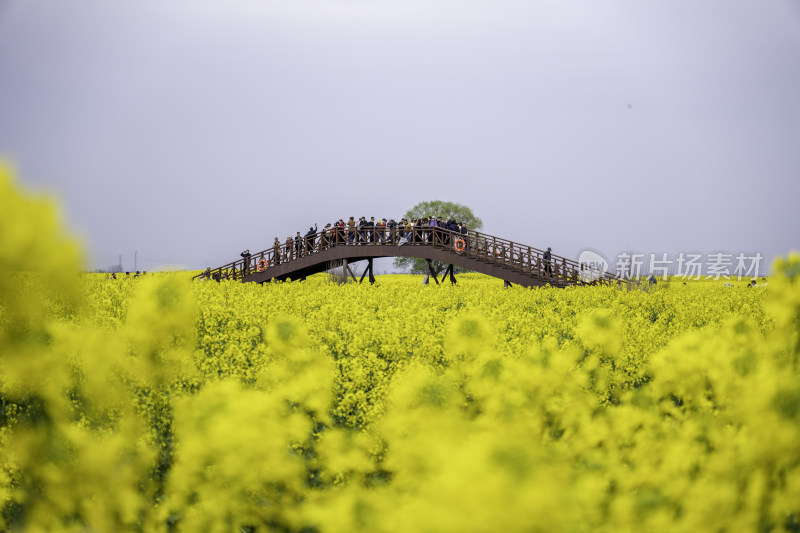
<point>190,130</point>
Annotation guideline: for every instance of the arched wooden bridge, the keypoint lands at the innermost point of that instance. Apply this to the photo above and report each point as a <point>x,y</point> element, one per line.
<point>509,261</point>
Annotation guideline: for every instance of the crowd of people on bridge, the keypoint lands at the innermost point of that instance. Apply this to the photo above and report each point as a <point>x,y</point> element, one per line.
<point>363,231</point>
<point>352,232</point>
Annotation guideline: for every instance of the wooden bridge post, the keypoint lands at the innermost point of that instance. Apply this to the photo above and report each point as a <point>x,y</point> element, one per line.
<point>368,270</point>
<point>429,272</point>
<point>348,271</point>
<point>450,272</point>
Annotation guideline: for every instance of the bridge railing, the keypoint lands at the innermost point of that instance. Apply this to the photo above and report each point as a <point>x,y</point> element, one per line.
<point>480,246</point>
<point>557,270</point>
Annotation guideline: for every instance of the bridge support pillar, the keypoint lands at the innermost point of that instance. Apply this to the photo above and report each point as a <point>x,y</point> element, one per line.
<point>368,270</point>
<point>429,271</point>
<point>347,270</point>
<point>506,284</point>
<point>449,271</point>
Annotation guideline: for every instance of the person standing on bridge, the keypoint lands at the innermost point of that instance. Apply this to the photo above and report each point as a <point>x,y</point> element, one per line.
<point>416,235</point>
<point>310,237</point>
<point>381,227</point>
<point>370,227</point>
<point>246,256</point>
<point>325,237</point>
<point>289,242</point>
<point>276,252</point>
<point>547,260</point>
<point>351,230</point>
<point>339,231</point>
<point>298,245</point>
<point>448,226</point>
<point>432,224</point>
<point>362,233</point>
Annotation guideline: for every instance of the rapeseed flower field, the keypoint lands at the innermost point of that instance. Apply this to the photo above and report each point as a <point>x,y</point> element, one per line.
<point>163,404</point>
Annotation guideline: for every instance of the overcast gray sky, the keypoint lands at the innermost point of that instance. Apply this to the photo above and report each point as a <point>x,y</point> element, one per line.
<point>190,130</point>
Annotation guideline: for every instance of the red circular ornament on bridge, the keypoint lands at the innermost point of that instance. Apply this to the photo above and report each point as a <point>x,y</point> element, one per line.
<point>261,265</point>
<point>459,245</point>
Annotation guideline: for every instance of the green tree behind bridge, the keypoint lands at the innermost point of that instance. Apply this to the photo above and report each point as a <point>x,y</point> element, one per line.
<point>437,208</point>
